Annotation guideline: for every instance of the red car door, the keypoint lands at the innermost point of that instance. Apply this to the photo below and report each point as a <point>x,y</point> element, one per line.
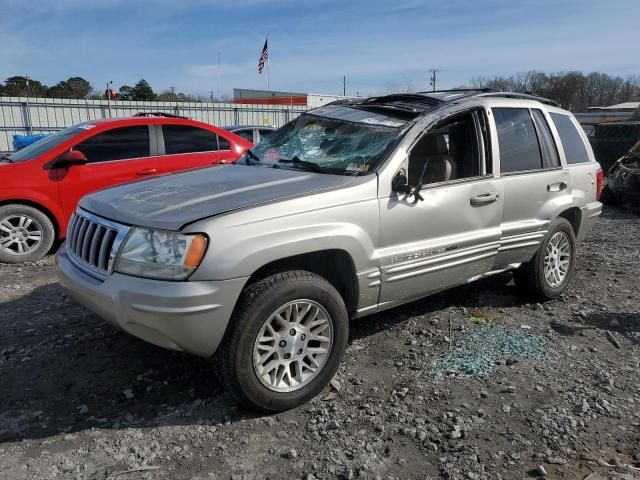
<point>113,156</point>
<point>186,146</point>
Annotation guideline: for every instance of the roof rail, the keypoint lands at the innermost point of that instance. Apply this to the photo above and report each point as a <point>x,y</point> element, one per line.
<point>461,90</point>
<point>522,96</point>
<point>158,114</point>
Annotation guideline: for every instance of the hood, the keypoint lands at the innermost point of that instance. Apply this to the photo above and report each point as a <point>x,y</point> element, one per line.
<point>172,201</point>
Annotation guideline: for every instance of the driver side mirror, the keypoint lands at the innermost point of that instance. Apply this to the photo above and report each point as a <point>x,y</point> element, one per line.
<point>400,183</point>
<point>72,157</point>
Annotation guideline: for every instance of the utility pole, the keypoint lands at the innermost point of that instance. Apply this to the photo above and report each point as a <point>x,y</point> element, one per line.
<point>344,86</point>
<point>108,92</point>
<point>433,78</point>
<point>173,92</point>
<point>218,76</point>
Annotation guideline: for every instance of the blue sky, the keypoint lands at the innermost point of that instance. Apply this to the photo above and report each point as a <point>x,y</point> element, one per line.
<point>376,44</point>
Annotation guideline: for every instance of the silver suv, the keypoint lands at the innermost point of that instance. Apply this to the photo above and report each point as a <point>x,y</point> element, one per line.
<point>350,209</point>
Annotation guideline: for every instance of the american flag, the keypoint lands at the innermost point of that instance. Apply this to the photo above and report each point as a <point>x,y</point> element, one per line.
<point>264,56</point>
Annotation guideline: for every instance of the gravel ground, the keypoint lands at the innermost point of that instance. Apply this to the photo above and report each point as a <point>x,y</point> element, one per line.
<point>82,401</point>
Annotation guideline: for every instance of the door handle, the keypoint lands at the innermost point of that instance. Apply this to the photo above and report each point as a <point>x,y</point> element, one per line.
<point>557,187</point>
<point>484,199</point>
<point>146,171</point>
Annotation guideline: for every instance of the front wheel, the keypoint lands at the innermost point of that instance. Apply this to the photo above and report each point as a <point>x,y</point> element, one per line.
<point>547,274</point>
<point>284,342</point>
<point>26,234</point>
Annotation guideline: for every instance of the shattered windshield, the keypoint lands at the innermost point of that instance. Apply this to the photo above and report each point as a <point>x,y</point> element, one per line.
<point>329,145</point>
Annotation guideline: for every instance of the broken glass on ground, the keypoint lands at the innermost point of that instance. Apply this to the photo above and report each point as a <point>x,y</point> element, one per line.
<point>477,350</point>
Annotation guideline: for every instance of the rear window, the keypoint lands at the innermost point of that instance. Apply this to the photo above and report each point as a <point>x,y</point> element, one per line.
<point>574,148</point>
<point>518,141</point>
<point>185,139</point>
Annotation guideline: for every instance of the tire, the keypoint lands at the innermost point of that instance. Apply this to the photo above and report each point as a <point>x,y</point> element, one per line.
<point>608,197</point>
<point>257,307</point>
<point>19,237</point>
<point>530,277</point>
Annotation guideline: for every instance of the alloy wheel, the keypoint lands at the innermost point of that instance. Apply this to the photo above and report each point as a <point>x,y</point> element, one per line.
<point>293,345</point>
<point>557,259</point>
<point>19,234</point>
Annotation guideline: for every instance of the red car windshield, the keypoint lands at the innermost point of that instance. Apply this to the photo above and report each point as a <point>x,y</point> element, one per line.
<point>43,145</point>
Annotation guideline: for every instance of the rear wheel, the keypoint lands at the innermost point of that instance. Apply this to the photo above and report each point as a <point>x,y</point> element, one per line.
<point>285,341</point>
<point>547,274</point>
<point>26,234</point>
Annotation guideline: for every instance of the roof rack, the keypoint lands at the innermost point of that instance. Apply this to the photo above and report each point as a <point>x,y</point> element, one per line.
<point>522,96</point>
<point>158,114</point>
<point>461,90</point>
<point>488,92</point>
<point>399,98</point>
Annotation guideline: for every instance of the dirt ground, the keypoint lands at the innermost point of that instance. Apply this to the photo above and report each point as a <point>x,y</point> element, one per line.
<point>79,400</point>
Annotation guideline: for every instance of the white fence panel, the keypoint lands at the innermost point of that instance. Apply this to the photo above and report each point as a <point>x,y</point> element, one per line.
<point>25,116</point>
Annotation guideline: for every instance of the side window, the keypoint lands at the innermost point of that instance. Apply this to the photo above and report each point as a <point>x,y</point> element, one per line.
<point>116,144</point>
<point>519,149</point>
<point>246,134</point>
<point>547,145</point>
<point>447,152</point>
<point>264,133</point>
<point>186,139</point>
<point>223,143</point>
<point>574,148</point>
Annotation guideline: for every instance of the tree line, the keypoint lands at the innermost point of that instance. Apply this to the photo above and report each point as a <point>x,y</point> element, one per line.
<point>78,87</point>
<point>574,91</point>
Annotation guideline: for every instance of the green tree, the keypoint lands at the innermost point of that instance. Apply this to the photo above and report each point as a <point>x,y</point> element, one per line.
<point>16,86</point>
<point>125,93</point>
<point>143,91</point>
<point>74,87</point>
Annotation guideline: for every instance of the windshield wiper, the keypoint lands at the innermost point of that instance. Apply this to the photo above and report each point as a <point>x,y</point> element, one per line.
<point>252,155</point>
<point>298,162</point>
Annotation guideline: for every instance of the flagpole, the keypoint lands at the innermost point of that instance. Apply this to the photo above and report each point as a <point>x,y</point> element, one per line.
<point>268,72</point>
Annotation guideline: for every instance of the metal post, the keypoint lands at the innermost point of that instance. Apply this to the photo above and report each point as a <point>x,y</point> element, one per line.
<point>29,126</point>
<point>433,78</point>
<point>344,86</point>
<point>108,92</point>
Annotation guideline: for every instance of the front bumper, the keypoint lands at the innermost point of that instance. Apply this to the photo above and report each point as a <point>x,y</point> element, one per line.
<point>185,316</point>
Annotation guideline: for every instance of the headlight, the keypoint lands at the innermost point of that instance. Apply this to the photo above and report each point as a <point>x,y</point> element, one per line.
<point>160,254</point>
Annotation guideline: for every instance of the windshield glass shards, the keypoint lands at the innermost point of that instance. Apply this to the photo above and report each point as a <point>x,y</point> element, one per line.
<point>333,145</point>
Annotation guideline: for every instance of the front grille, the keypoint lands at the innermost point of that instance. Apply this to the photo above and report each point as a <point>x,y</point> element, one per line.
<point>92,242</point>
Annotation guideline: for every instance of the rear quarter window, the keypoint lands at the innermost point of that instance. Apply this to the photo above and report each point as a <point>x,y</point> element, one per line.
<point>574,148</point>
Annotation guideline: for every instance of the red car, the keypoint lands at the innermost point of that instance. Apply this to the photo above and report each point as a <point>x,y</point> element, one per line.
<point>42,183</point>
